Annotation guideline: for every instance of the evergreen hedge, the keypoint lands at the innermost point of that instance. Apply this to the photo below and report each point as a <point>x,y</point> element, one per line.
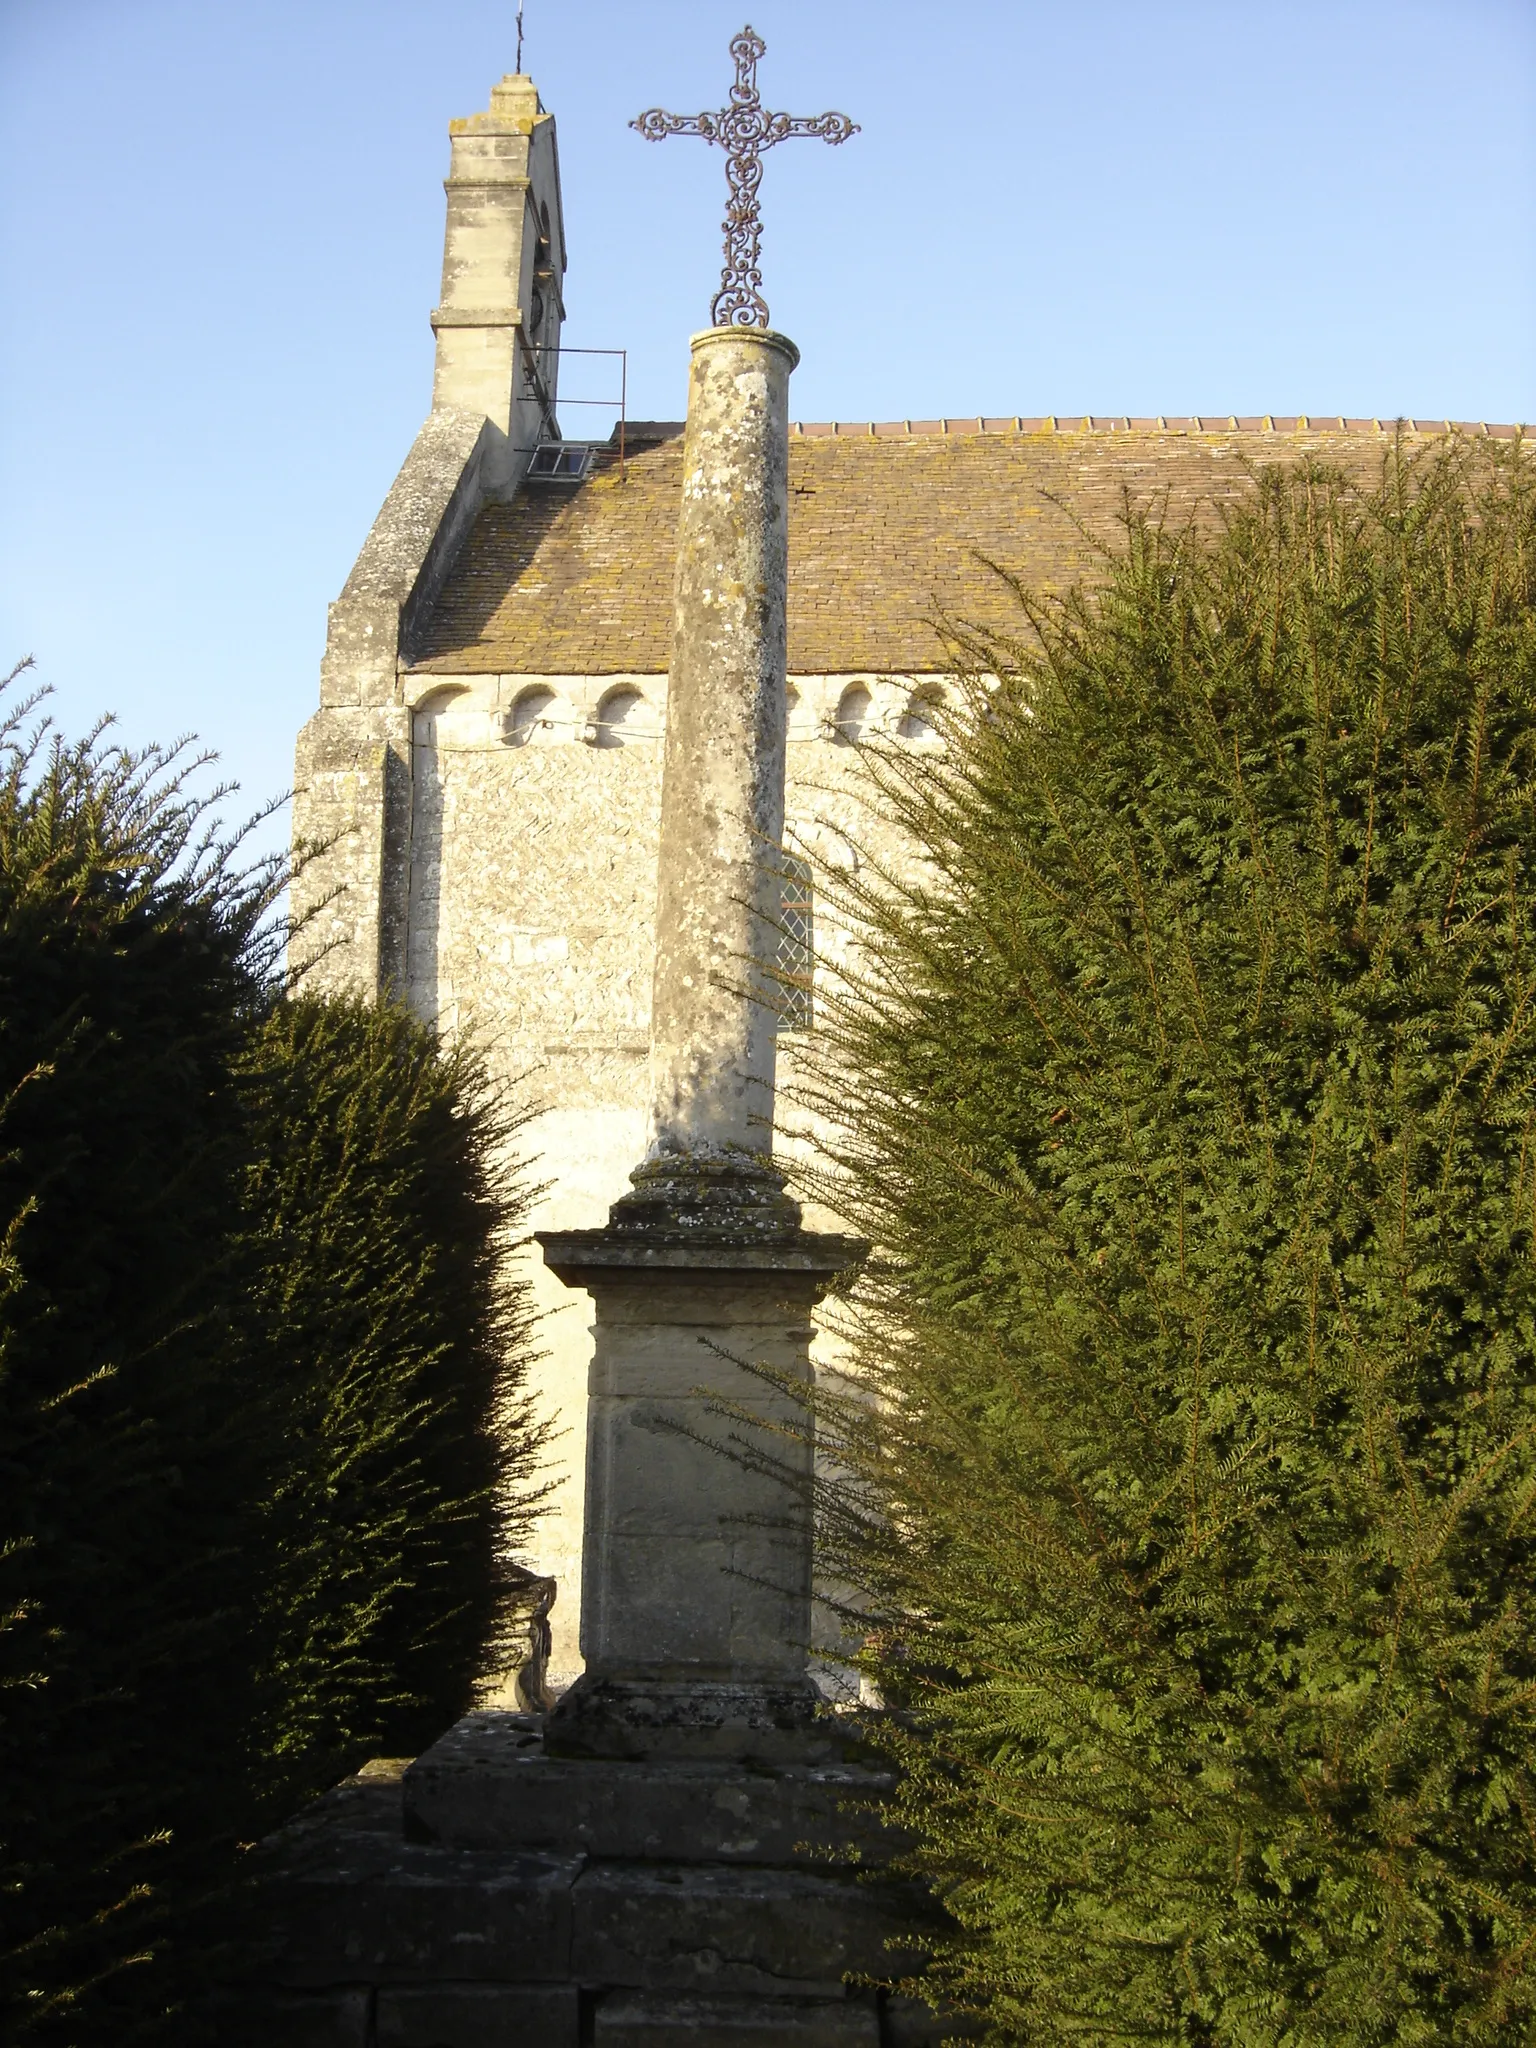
<point>1190,1091</point>
<point>259,1385</point>
<point>379,1199</point>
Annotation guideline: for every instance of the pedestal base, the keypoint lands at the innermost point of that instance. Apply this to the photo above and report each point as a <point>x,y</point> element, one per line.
<point>492,1894</point>
<point>610,1717</point>
<point>696,1615</point>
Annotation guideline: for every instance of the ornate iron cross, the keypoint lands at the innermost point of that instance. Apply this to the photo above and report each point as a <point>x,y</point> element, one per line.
<point>743,131</point>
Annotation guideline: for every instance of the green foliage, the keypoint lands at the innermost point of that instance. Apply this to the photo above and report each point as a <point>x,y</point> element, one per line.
<point>262,1440</point>
<point>379,1204</point>
<point>1195,1111</point>
<point>126,1453</point>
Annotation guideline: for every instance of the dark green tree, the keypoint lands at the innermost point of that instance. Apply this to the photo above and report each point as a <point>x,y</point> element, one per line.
<point>380,1200</point>
<point>264,1448</point>
<point>132,1445</point>
<point>1189,1092</point>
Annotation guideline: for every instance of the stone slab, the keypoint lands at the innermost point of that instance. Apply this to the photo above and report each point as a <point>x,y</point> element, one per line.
<point>259,2017</point>
<point>754,1720</point>
<point>628,2020</point>
<point>908,2023</point>
<point>672,1927</point>
<point>662,1601</point>
<point>489,1784</point>
<point>337,1902</point>
<point>478,2016</point>
<point>675,1464</point>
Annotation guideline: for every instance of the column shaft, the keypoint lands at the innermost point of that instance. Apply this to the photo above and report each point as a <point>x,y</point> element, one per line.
<point>722,813</point>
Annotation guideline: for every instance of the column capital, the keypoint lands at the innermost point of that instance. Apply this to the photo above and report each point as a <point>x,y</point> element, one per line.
<point>702,1214</point>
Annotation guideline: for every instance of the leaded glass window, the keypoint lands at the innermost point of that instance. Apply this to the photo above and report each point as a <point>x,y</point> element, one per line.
<point>795,957</point>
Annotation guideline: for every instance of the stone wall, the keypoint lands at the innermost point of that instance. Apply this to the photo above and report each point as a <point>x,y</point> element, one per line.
<point>531,892</point>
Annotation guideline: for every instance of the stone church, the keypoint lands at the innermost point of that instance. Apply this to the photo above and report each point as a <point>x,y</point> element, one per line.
<point>484,768</point>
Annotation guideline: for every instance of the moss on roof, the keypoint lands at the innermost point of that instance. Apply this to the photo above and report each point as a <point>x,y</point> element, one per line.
<point>888,525</point>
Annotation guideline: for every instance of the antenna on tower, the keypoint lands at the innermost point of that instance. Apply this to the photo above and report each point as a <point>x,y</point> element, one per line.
<point>519,37</point>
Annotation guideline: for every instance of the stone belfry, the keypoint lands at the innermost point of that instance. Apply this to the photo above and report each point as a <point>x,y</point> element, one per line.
<point>498,319</point>
<point>494,386</point>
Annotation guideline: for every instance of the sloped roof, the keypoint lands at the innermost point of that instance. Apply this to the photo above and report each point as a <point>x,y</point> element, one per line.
<point>889,523</point>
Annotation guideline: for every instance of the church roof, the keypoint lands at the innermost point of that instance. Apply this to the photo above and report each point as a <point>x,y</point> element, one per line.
<point>889,524</point>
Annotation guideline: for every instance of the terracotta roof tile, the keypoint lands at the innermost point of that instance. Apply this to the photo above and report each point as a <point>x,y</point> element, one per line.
<point>889,524</point>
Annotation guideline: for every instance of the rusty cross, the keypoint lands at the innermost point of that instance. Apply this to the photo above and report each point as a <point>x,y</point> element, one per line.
<point>743,131</point>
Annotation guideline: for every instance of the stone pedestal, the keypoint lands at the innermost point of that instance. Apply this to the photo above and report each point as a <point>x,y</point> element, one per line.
<point>696,1592</point>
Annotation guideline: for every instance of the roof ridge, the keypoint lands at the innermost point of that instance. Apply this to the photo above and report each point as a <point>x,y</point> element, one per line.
<point>1106,422</point>
<point>1121,423</point>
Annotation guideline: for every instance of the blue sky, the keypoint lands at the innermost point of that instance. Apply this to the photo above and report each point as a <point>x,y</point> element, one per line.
<point>221,220</point>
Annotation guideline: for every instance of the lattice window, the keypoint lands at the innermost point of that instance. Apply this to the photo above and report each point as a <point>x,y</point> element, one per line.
<point>795,956</point>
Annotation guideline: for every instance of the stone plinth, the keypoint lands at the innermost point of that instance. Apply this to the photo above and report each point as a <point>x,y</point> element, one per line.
<point>493,1783</point>
<point>491,1894</point>
<point>696,1576</point>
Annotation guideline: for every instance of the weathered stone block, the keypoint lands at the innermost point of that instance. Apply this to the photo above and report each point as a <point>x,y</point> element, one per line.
<point>627,2020</point>
<point>263,2018</point>
<point>478,2016</point>
<point>488,1783</point>
<point>718,1337</point>
<point>683,1716</point>
<point>339,1903</point>
<point>721,1930</point>
<point>738,1602</point>
<point>678,1465</point>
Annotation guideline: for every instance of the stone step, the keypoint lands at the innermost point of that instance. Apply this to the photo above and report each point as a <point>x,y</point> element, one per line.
<point>489,1784</point>
<point>714,1929</point>
<point>342,1897</point>
<point>477,2016</point>
<point>549,2016</point>
<point>627,2020</point>
<point>397,2016</point>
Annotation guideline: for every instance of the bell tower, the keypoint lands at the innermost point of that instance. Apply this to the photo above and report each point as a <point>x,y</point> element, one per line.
<point>498,321</point>
<point>493,401</point>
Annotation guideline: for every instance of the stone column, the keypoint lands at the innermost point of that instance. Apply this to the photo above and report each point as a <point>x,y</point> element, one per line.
<point>696,1573</point>
<point>722,805</point>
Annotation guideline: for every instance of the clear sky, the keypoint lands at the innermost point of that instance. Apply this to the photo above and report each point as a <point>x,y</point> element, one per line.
<point>221,222</point>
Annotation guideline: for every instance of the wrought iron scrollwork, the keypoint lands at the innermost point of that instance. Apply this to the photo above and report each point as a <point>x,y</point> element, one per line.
<point>743,130</point>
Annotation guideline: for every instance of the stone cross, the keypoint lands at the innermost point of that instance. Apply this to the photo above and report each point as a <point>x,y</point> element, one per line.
<point>696,1558</point>
<point>696,1564</point>
<point>743,131</point>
